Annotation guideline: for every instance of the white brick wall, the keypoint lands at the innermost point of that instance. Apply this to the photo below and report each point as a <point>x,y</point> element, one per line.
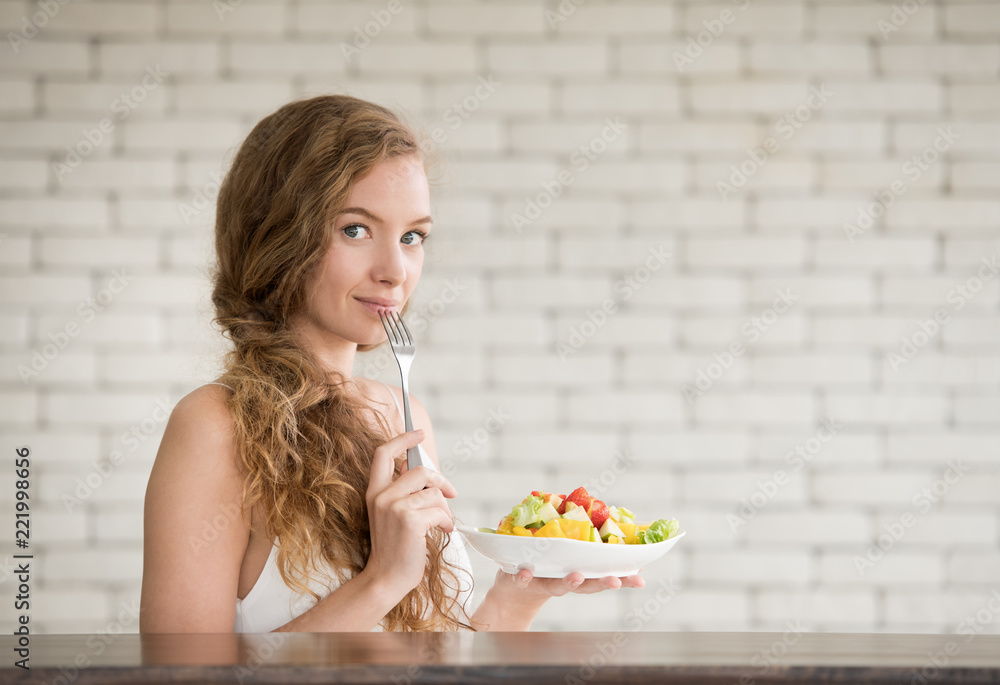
<point>758,554</point>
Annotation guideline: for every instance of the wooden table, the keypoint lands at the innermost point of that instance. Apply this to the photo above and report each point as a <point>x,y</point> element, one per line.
<point>534,658</point>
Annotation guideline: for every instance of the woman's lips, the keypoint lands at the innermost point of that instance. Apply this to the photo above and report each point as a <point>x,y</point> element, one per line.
<point>376,308</point>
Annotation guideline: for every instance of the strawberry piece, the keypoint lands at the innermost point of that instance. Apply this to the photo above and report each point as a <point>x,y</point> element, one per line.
<point>580,498</point>
<point>599,513</point>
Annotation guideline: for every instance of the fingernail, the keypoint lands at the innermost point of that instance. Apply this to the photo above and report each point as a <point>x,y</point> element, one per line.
<point>524,581</point>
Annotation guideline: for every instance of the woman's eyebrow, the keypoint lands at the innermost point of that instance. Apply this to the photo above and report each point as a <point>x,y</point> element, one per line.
<point>364,212</point>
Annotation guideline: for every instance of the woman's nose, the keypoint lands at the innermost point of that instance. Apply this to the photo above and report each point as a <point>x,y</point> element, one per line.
<point>390,266</point>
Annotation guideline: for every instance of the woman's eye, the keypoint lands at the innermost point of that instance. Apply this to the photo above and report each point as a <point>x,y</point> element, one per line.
<point>419,238</point>
<point>353,227</point>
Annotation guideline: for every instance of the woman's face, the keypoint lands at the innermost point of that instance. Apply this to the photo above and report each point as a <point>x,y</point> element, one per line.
<point>375,256</point>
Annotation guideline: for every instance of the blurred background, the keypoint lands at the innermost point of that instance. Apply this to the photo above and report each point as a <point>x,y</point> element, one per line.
<point>733,263</point>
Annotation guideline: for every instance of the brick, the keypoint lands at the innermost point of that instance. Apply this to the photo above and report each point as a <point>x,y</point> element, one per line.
<point>971,331</point>
<point>942,58</point>
<point>108,327</point>
<point>55,525</point>
<point>590,447</point>
<point>23,174</point>
<point>746,566</point>
<point>63,367</point>
<point>700,609</point>
<point>701,137</point>
<point>84,565</point>
<point>225,19</point>
<point>815,57</point>
<point>255,97</point>
<point>523,96</point>
<point>608,175</point>
<point>581,370</point>
<point>818,212</point>
<point>182,134</point>
<point>528,408</point>
<point>697,212</point>
<point>977,409</point>
<point>560,57</point>
<point>889,97</point>
<point>896,567</point>
<point>285,58</point>
<point>971,139</point>
<point>484,19</point>
<point>16,252</point>
<point>970,19</point>
<point>934,292</point>
<point>14,329</point>
<point>973,567</point>
<point>776,174</point>
<point>124,174</point>
<point>871,20</point>
<point>18,406</point>
<point>629,96</point>
<point>952,213</point>
<point>977,98</point>
<point>707,330</point>
<point>50,57</point>
<point>929,368</point>
<point>806,449</point>
<point>54,136</point>
<point>838,526</point>
<point>924,447</point>
<point>728,489</point>
<point>571,137</point>
<point>757,97</point>
<point>550,291</point>
<point>860,331</point>
<point>863,138</point>
<point>857,370</point>
<point>918,607</point>
<point>691,447</point>
<point>814,292</point>
<point>818,610</point>
<point>871,253</point>
<point>972,175</point>
<point>762,19</point>
<point>717,406</point>
<point>876,489</point>
<point>175,57</point>
<point>671,57</point>
<point>501,328</point>
<point>632,19</point>
<point>644,370</point>
<point>333,19</point>
<point>417,56</point>
<point>874,175</point>
<point>894,409</point>
<point>755,253</point>
<point>616,407</point>
<point>106,407</point>
<point>19,96</point>
<point>38,289</point>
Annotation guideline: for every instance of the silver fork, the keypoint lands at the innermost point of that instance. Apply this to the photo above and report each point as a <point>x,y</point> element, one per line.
<point>404,349</point>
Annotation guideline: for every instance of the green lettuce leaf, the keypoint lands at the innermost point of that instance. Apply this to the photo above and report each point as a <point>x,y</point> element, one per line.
<point>658,531</point>
<point>527,511</point>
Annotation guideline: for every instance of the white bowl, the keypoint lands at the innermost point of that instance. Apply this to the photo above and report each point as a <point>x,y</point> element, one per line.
<point>558,557</point>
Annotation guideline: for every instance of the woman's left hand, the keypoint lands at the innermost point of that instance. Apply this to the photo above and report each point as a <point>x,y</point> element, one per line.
<point>524,586</point>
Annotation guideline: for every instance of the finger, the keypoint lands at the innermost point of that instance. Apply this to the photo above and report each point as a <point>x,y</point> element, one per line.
<point>422,477</point>
<point>383,462</point>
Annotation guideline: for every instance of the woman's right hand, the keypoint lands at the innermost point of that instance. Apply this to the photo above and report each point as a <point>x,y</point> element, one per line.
<point>401,512</point>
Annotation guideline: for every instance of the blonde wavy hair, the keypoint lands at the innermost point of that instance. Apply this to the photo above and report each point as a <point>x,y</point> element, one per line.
<point>305,447</point>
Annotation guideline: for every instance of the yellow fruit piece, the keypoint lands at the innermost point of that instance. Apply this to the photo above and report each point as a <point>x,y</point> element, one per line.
<point>506,528</point>
<point>576,530</point>
<point>613,539</point>
<point>631,537</point>
<point>521,530</point>
<point>552,529</point>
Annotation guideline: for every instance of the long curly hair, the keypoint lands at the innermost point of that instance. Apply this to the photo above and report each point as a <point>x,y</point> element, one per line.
<point>304,441</point>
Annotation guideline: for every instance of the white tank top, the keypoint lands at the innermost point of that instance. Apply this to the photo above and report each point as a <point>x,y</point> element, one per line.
<point>271,604</point>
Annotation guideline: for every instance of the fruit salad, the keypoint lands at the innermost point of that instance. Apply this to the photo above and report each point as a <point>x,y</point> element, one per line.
<point>580,517</point>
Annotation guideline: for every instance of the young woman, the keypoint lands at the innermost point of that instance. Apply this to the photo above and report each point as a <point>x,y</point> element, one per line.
<point>280,498</point>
